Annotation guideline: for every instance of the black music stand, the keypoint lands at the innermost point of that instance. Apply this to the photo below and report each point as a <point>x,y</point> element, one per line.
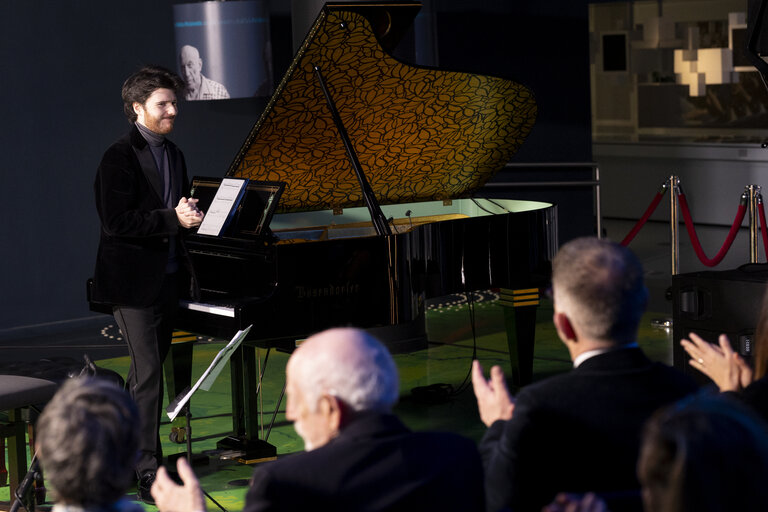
<point>180,404</point>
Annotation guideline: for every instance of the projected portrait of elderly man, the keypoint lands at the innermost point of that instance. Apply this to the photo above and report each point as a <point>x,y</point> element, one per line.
<point>198,87</point>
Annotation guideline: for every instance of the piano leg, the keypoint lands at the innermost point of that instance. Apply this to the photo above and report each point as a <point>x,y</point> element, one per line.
<point>17,450</point>
<point>245,408</point>
<point>520,322</point>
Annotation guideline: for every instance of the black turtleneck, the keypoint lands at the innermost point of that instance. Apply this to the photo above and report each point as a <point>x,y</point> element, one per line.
<point>159,151</point>
<point>156,143</point>
<point>154,139</point>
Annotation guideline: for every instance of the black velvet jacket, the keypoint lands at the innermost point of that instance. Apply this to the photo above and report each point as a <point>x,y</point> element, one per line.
<point>578,431</point>
<point>136,226</point>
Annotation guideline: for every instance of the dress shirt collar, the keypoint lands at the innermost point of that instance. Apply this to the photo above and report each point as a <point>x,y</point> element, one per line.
<point>592,353</point>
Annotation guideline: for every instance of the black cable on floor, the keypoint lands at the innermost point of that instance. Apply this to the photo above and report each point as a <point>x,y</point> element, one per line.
<point>213,500</point>
<point>441,392</point>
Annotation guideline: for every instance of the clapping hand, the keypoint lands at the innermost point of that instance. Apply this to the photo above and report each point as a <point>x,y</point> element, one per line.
<point>726,368</point>
<point>171,497</point>
<point>493,398</point>
<point>574,503</point>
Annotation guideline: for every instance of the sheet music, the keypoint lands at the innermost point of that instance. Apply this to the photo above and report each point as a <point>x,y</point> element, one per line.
<point>223,206</point>
<point>214,369</point>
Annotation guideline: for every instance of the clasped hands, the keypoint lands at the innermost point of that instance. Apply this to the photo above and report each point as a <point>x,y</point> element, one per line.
<point>493,398</point>
<point>188,214</point>
<point>726,368</point>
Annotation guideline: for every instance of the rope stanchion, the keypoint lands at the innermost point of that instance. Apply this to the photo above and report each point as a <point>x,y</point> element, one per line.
<point>742,210</point>
<point>750,198</point>
<point>763,230</point>
<point>754,224</point>
<point>648,212</point>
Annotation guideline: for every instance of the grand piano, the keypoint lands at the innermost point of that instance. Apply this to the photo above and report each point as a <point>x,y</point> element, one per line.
<point>379,160</point>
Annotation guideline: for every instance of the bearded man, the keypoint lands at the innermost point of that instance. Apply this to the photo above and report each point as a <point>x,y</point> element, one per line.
<point>142,261</point>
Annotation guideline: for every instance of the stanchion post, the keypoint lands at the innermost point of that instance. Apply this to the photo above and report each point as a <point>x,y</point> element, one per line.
<point>674,189</point>
<point>598,209</point>
<point>753,191</point>
<point>760,216</point>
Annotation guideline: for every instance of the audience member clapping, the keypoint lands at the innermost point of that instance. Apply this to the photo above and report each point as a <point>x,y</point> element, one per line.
<point>341,385</point>
<point>87,444</point>
<point>578,431</point>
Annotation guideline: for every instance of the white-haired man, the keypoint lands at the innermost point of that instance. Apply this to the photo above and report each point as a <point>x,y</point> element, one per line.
<point>341,385</point>
<point>579,431</point>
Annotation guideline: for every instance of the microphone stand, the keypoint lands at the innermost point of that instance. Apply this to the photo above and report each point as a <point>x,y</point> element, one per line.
<point>22,493</point>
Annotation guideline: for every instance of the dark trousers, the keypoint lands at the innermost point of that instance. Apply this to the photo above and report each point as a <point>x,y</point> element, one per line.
<point>148,333</point>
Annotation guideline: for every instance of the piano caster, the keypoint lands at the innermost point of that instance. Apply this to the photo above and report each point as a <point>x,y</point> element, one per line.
<point>253,449</point>
<point>178,435</point>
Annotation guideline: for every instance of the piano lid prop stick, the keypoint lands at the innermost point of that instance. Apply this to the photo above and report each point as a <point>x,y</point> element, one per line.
<point>377,216</point>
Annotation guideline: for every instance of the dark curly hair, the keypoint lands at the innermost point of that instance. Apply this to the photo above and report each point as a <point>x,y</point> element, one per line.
<point>140,86</point>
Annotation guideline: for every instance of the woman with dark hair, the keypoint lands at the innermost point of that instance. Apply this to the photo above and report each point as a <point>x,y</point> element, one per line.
<point>705,454</point>
<point>729,371</point>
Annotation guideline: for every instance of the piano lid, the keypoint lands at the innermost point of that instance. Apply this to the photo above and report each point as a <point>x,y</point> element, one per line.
<point>421,134</point>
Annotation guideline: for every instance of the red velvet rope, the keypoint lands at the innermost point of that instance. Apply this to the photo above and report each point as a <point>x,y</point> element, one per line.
<point>761,211</point>
<point>695,239</point>
<point>640,223</point>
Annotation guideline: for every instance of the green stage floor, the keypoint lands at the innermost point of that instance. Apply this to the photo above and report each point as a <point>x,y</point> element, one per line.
<point>446,361</point>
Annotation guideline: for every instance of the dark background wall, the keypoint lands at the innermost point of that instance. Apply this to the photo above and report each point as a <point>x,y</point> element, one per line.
<point>63,64</point>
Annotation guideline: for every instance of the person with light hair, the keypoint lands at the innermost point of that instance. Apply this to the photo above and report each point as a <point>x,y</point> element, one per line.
<point>341,385</point>
<point>579,431</point>
<point>87,441</point>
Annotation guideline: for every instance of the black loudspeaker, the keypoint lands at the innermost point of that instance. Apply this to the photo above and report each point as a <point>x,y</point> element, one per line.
<point>762,38</point>
<point>714,302</point>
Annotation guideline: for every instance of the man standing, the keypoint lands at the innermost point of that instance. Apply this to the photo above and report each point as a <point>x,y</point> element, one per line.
<point>198,86</point>
<point>142,261</point>
<point>578,431</point>
<point>340,387</point>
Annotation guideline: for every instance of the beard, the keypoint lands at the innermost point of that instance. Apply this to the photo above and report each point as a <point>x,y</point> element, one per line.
<point>308,444</point>
<point>162,125</point>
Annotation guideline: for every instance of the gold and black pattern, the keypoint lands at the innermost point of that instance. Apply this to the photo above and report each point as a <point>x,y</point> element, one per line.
<point>420,134</point>
<point>519,298</point>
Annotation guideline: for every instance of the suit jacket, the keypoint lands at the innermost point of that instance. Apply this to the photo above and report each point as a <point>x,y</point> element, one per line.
<point>375,464</point>
<point>578,431</point>
<point>136,226</point>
